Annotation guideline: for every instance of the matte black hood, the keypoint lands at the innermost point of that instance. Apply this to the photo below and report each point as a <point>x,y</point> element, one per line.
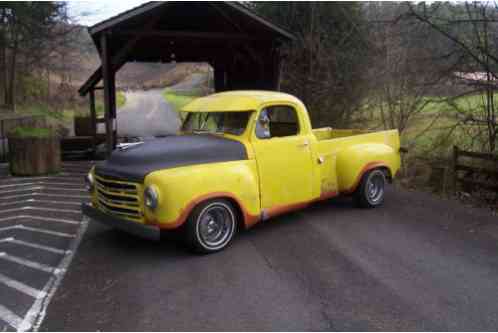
<point>136,162</point>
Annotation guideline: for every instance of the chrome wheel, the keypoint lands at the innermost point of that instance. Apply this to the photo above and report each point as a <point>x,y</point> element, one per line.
<point>215,225</point>
<point>375,187</point>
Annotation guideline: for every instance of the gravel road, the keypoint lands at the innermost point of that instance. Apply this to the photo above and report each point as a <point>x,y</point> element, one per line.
<point>417,263</point>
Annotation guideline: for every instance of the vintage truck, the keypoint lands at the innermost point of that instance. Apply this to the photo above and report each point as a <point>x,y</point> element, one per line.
<point>241,157</point>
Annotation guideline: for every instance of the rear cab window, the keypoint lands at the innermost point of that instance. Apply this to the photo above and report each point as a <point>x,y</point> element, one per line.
<point>277,121</point>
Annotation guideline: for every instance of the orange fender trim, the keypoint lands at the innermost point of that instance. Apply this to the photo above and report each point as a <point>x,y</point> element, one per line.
<point>366,168</point>
<point>248,219</point>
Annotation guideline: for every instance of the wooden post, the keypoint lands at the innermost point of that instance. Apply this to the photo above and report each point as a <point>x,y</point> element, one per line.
<point>277,70</point>
<point>455,169</point>
<point>4,139</point>
<point>219,77</point>
<point>93,117</point>
<point>114,111</point>
<point>109,87</point>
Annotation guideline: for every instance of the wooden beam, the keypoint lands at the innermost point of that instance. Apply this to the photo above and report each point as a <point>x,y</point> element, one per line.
<point>227,17</point>
<point>107,75</point>
<point>483,156</point>
<point>91,81</point>
<point>191,34</point>
<point>93,117</point>
<point>117,61</point>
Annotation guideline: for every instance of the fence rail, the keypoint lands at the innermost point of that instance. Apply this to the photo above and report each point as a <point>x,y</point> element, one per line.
<point>488,176</point>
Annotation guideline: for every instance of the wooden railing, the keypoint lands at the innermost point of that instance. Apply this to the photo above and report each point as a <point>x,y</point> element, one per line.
<point>483,176</point>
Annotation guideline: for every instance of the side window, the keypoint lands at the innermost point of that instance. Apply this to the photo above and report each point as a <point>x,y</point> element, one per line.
<point>277,121</point>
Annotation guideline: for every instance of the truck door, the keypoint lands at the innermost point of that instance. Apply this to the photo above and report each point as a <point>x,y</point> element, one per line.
<point>283,157</point>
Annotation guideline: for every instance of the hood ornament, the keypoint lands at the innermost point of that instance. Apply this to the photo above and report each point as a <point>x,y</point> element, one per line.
<point>126,146</point>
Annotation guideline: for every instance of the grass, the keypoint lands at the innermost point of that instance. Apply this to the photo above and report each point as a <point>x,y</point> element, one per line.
<point>68,113</point>
<point>430,137</point>
<point>120,102</point>
<point>178,99</point>
<point>62,116</point>
<point>31,132</point>
<point>436,128</point>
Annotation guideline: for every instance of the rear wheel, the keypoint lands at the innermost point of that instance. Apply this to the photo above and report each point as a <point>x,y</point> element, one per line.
<point>211,226</point>
<point>371,191</point>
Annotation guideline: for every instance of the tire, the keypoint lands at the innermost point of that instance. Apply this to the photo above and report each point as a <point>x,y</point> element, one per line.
<point>371,191</point>
<point>211,226</point>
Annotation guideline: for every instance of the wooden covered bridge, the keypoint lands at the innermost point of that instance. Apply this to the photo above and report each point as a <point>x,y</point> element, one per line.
<point>241,47</point>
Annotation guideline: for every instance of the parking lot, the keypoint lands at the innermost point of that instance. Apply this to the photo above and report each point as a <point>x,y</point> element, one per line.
<point>40,228</point>
<point>417,263</point>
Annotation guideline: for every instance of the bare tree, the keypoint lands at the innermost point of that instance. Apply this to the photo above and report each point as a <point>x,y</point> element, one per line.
<point>471,28</point>
<point>30,31</point>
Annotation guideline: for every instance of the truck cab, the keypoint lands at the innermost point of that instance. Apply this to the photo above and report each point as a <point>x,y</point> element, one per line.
<point>241,157</point>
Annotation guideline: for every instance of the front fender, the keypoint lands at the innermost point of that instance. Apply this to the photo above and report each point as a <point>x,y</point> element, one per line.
<point>181,189</point>
<point>354,161</point>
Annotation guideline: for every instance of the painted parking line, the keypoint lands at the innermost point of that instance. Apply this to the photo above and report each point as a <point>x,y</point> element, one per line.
<point>21,287</point>
<point>21,181</point>
<point>33,188</point>
<point>38,218</point>
<point>49,188</point>
<point>12,210</point>
<point>10,317</point>
<point>28,263</point>
<point>18,209</point>
<point>38,310</point>
<point>40,183</point>
<point>13,240</point>
<point>74,174</point>
<point>55,202</point>
<point>39,230</point>
<point>34,201</point>
<point>46,195</point>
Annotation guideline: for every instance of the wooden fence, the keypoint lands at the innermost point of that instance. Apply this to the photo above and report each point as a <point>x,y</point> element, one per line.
<point>480,171</point>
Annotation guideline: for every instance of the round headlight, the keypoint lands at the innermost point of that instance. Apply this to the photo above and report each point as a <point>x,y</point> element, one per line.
<point>151,197</point>
<point>89,182</point>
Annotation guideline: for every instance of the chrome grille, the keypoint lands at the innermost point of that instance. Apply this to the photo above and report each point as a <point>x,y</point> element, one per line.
<point>118,197</point>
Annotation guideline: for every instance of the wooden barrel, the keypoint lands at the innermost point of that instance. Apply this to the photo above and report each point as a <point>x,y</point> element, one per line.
<point>34,156</point>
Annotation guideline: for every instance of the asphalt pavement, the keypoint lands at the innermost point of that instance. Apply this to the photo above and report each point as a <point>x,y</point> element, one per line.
<point>40,227</point>
<point>417,263</point>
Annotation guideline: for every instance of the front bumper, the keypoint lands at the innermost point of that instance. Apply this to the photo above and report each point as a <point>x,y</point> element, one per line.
<point>134,228</point>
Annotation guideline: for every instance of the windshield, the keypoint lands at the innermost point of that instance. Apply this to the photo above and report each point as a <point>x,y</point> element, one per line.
<point>216,122</point>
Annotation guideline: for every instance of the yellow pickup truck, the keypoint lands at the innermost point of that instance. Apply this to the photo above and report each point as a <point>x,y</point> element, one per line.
<point>241,157</point>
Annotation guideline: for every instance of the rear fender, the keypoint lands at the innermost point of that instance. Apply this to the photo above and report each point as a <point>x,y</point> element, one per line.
<point>355,161</point>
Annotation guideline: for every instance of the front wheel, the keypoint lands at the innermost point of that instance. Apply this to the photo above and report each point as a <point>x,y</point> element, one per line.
<point>211,226</point>
<point>371,191</point>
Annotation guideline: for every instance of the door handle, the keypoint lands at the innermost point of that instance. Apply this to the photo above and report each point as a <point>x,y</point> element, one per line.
<point>304,144</point>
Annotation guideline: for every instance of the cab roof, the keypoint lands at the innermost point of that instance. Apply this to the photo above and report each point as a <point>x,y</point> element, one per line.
<point>238,101</point>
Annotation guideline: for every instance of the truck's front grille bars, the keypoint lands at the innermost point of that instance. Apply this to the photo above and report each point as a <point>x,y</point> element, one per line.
<point>119,197</point>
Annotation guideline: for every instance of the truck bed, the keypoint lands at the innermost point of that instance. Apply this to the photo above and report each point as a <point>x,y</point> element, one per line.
<point>337,139</point>
<point>344,152</point>
<point>327,133</point>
